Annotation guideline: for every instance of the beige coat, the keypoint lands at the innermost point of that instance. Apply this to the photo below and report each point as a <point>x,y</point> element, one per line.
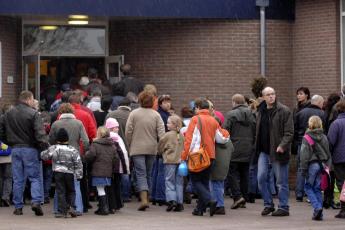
<point>144,128</point>
<point>171,146</point>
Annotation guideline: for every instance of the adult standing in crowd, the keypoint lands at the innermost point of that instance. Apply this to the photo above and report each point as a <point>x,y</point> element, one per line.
<point>301,125</point>
<point>274,132</point>
<point>209,131</point>
<point>131,84</point>
<point>336,137</point>
<point>22,128</point>
<point>240,122</point>
<point>144,128</point>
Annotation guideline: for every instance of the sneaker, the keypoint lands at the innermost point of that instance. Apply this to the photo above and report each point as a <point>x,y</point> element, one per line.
<point>197,212</point>
<point>18,211</point>
<point>238,203</point>
<point>267,211</point>
<point>171,205</point>
<point>280,212</point>
<point>213,206</point>
<point>220,211</point>
<point>73,213</point>
<point>317,215</point>
<point>37,209</point>
<point>340,215</point>
<point>178,208</point>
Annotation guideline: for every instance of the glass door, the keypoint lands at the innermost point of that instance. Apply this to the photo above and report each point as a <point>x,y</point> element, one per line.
<point>31,74</point>
<point>112,68</point>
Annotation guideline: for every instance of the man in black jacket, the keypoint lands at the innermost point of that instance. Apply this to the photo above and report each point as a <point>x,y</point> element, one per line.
<point>22,128</point>
<point>240,122</point>
<point>274,134</point>
<point>301,125</point>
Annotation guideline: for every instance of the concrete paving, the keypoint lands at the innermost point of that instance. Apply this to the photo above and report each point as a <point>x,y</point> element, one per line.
<point>157,218</point>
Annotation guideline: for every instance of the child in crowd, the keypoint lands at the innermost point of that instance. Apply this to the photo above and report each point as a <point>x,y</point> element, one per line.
<point>121,173</point>
<point>66,165</point>
<point>314,152</point>
<point>171,147</point>
<point>103,158</point>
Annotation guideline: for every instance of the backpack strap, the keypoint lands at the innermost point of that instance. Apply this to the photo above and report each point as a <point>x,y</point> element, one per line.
<point>310,140</point>
<point>200,130</point>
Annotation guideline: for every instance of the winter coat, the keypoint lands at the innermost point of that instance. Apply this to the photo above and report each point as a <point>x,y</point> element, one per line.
<point>240,122</point>
<point>301,121</point>
<point>103,157</point>
<point>94,104</point>
<point>222,162</point>
<point>210,134</point>
<point>144,128</point>
<point>88,122</point>
<point>320,149</point>
<point>22,126</point>
<point>336,138</point>
<point>280,131</point>
<point>121,115</point>
<point>170,146</point>
<point>164,115</point>
<point>65,159</point>
<point>75,129</point>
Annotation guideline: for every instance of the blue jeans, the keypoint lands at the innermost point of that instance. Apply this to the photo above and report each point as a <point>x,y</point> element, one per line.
<point>143,167</point>
<point>25,164</point>
<point>300,180</point>
<point>217,192</point>
<point>126,186</point>
<point>158,180</point>
<point>78,199</point>
<point>281,172</point>
<point>253,179</point>
<point>313,185</point>
<point>173,184</point>
<point>47,179</point>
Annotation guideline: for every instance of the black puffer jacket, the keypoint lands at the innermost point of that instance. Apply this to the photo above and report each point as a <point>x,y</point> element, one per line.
<point>22,126</point>
<point>240,122</point>
<point>103,157</point>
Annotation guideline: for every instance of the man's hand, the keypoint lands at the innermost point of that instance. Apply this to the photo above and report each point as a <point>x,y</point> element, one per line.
<point>280,150</point>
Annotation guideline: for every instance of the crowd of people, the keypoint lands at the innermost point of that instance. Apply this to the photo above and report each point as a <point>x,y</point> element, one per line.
<point>110,146</point>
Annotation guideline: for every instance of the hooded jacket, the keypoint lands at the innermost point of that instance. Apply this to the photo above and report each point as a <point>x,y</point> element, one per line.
<point>318,152</point>
<point>336,137</point>
<point>240,122</point>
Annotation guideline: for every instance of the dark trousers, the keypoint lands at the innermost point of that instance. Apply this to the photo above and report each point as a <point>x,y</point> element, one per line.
<point>201,186</point>
<point>84,188</point>
<point>65,191</point>
<point>238,179</point>
<point>339,171</point>
<point>114,193</point>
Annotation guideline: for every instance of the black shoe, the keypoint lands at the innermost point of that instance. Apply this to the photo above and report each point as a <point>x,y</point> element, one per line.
<point>212,205</point>
<point>251,198</point>
<point>335,205</point>
<point>178,208</point>
<point>318,215</point>
<point>299,199</point>
<point>267,211</point>
<point>103,208</point>
<point>89,206</point>
<point>18,211</point>
<point>60,215</point>
<point>5,203</point>
<point>171,205</point>
<point>281,212</point>
<point>237,203</point>
<point>220,211</point>
<point>197,212</point>
<point>340,215</point>
<point>46,200</point>
<point>37,209</point>
<point>73,213</point>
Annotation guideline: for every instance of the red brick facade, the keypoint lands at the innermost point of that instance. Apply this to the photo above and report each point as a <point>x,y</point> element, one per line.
<point>316,46</point>
<point>10,38</point>
<point>214,58</point>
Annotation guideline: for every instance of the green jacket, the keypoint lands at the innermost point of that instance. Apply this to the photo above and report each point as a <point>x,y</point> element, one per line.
<point>221,165</point>
<point>321,149</point>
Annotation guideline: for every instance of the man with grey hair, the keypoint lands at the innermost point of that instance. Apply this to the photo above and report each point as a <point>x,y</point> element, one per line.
<point>274,134</point>
<point>240,122</point>
<point>301,125</point>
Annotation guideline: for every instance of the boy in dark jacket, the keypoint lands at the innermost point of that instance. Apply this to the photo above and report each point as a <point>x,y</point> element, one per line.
<point>66,164</point>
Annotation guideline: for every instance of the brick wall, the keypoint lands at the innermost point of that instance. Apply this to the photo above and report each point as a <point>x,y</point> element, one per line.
<point>10,41</point>
<point>316,46</point>
<point>214,58</point>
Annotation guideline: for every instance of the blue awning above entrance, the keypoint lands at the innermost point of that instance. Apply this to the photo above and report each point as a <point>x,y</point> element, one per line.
<point>229,9</point>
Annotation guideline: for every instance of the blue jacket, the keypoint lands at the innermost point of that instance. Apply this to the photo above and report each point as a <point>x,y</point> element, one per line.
<point>336,137</point>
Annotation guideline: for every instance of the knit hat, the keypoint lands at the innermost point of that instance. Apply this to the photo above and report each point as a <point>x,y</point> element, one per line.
<point>111,123</point>
<point>220,116</point>
<point>62,136</point>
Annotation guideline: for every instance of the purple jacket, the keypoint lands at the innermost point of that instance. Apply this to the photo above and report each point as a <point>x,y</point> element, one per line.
<point>336,137</point>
